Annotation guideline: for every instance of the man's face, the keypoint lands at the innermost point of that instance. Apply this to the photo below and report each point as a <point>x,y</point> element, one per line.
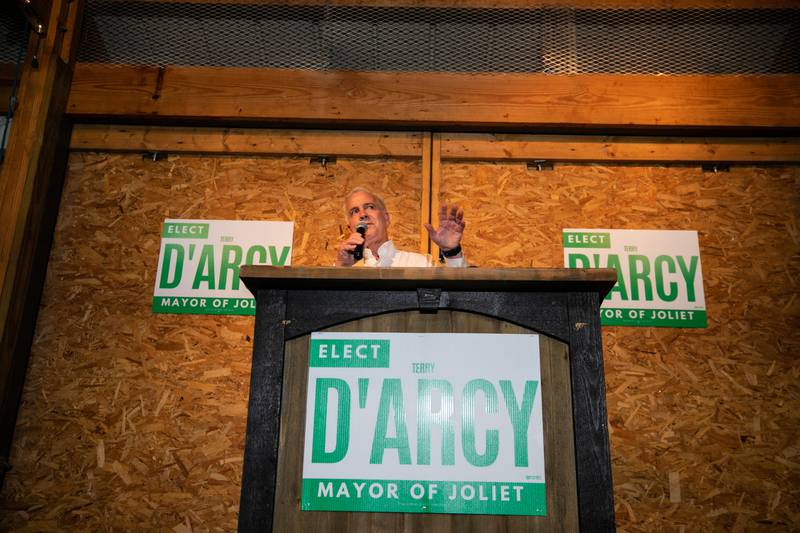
<point>362,206</point>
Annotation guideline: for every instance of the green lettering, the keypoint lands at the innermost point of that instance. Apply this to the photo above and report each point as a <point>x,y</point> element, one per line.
<point>613,262</point>
<point>639,268</point>
<point>318,453</point>
<point>273,256</point>
<point>166,266</point>
<point>251,255</point>
<point>660,261</point>
<point>391,400</point>
<point>205,269</point>
<point>230,263</point>
<point>442,418</point>
<point>520,416</point>
<point>575,259</point>
<point>688,274</point>
<point>471,454</point>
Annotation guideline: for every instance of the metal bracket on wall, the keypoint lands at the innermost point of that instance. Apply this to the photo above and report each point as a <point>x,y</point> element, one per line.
<point>540,164</point>
<point>716,167</point>
<point>323,160</point>
<point>155,156</point>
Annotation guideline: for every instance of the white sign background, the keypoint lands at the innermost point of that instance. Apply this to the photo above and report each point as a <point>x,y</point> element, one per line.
<point>457,358</point>
<point>244,234</point>
<point>651,244</point>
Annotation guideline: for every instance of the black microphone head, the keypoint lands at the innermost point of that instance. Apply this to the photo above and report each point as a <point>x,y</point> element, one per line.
<point>361,227</point>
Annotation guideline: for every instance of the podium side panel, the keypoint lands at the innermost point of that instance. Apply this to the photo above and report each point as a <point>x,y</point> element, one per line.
<point>261,444</point>
<point>595,489</point>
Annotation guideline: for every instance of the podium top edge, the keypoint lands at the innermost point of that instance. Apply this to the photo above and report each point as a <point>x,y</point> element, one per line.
<point>599,280</point>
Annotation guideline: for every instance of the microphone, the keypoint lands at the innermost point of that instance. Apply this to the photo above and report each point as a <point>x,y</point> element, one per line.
<point>361,229</point>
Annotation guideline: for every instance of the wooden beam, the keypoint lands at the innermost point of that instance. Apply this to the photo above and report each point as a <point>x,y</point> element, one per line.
<point>622,149</point>
<point>30,188</point>
<point>436,188</point>
<point>425,200</point>
<point>436,100</point>
<point>528,4</point>
<point>106,138</point>
<point>453,146</point>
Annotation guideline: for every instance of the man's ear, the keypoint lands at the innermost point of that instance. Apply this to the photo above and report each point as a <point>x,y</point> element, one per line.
<point>386,214</point>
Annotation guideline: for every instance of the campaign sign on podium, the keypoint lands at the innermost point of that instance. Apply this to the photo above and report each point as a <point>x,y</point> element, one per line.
<point>424,423</point>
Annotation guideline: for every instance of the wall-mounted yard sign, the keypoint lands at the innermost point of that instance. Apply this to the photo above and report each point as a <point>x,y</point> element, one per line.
<point>660,282</point>
<point>198,267</point>
<point>424,423</point>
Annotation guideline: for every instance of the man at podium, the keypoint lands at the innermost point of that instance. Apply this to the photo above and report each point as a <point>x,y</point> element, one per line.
<point>369,244</point>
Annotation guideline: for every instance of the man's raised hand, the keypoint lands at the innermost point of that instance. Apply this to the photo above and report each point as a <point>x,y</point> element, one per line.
<point>451,228</point>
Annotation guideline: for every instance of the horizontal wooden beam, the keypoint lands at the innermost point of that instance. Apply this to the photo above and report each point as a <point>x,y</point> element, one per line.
<point>621,149</point>
<point>94,137</point>
<point>529,4</point>
<point>454,146</point>
<point>438,100</point>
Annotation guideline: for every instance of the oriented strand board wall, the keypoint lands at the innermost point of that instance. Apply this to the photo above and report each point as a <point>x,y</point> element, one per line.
<point>132,420</point>
<point>136,421</point>
<point>704,423</point>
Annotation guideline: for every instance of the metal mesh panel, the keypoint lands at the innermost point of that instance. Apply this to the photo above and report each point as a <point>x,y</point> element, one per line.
<point>12,33</point>
<point>549,40</point>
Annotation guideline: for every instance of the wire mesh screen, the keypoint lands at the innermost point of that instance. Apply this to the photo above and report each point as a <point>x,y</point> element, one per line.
<point>13,34</point>
<point>363,38</point>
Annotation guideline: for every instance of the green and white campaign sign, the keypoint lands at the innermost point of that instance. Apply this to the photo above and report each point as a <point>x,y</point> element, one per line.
<point>424,423</point>
<point>198,267</point>
<point>659,278</point>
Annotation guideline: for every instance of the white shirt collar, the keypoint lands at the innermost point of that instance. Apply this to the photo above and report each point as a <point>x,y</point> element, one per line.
<point>386,253</point>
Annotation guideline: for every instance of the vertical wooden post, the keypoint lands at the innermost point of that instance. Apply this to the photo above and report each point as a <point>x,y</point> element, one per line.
<point>425,199</point>
<point>590,416</point>
<point>30,188</point>
<point>260,469</point>
<point>436,185</point>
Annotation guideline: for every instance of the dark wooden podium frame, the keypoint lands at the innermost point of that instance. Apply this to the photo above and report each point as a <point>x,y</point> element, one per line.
<point>561,303</point>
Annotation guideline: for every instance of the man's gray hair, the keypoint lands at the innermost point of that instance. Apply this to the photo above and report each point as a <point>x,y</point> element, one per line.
<point>378,200</point>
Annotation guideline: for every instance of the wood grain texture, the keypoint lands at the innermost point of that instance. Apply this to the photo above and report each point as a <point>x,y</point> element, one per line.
<point>705,408</point>
<point>435,99</point>
<point>547,311</point>
<point>451,146</point>
<point>580,4</point>
<point>590,417</point>
<point>30,189</point>
<point>136,421</point>
<point>229,141</point>
<point>436,185</point>
<point>256,504</point>
<point>559,447</point>
<point>521,279</point>
<point>709,412</point>
<point>429,159</point>
<point>321,301</point>
<point>510,147</point>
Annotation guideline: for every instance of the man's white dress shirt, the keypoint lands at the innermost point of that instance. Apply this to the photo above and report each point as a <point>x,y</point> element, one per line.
<point>389,256</point>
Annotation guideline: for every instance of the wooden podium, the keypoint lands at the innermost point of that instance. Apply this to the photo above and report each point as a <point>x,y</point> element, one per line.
<point>559,304</point>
